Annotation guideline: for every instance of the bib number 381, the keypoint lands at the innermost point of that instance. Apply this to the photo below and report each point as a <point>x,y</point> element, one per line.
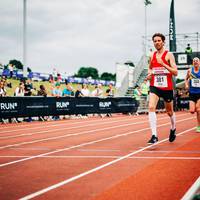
<point>160,81</point>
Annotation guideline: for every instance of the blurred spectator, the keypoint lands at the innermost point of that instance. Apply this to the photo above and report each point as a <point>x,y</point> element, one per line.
<point>2,89</point>
<point>28,87</point>
<point>59,78</point>
<point>110,91</point>
<point>5,81</point>
<point>85,91</point>
<point>137,93</point>
<point>78,92</point>
<point>68,90</point>
<point>57,92</point>
<point>28,92</point>
<point>54,74</point>
<point>20,91</point>
<point>42,91</point>
<point>51,80</point>
<point>144,88</point>
<point>11,68</point>
<point>98,91</point>
<point>188,51</point>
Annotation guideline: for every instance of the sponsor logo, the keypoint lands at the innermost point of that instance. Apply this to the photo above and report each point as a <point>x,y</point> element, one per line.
<point>171,30</point>
<point>104,104</point>
<point>8,106</point>
<point>62,104</point>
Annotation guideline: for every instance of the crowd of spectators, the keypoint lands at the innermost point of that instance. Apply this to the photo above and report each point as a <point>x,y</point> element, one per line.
<point>26,87</point>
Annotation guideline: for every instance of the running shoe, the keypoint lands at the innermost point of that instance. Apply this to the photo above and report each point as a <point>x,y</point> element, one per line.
<point>198,129</point>
<point>153,140</point>
<point>172,135</point>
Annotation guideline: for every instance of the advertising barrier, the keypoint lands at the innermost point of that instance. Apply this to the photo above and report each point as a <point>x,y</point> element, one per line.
<point>45,106</point>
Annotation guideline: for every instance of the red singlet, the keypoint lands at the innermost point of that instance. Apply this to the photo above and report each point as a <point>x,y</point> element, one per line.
<point>161,77</point>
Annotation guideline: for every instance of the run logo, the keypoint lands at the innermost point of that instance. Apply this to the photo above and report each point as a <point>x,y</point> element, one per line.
<point>104,104</point>
<point>8,106</point>
<point>62,104</point>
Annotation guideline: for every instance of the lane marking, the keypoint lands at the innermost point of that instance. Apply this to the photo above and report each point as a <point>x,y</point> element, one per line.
<point>72,134</point>
<point>45,131</point>
<point>88,143</point>
<point>193,189</point>
<point>75,134</point>
<point>52,187</point>
<point>176,151</point>
<point>59,123</point>
<point>99,150</point>
<point>114,157</point>
<point>51,130</point>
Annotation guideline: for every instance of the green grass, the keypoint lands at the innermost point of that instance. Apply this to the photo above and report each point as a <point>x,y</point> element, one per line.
<point>36,84</point>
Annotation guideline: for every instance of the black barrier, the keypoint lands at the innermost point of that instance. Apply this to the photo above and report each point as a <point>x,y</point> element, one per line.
<point>183,103</point>
<point>44,106</point>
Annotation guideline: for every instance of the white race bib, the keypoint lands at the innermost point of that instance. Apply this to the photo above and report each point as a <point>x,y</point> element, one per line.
<point>195,82</point>
<point>160,81</point>
<point>160,70</point>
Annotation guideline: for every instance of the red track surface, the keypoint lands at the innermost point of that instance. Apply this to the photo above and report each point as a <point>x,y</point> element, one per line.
<point>98,159</point>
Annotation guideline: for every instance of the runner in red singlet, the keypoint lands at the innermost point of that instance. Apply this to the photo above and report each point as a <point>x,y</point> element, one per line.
<point>162,68</point>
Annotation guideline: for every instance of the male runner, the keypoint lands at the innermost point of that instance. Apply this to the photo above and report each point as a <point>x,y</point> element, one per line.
<point>192,82</point>
<point>162,68</point>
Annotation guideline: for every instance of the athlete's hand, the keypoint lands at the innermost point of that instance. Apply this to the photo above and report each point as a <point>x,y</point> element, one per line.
<point>186,86</point>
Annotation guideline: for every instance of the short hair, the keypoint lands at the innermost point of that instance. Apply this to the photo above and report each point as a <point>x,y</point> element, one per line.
<point>196,59</point>
<point>159,35</point>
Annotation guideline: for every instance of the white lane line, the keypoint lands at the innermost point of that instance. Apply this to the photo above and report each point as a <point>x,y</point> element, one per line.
<point>69,122</point>
<point>32,148</point>
<point>52,187</point>
<point>193,189</point>
<point>177,152</point>
<point>99,150</point>
<point>59,123</point>
<point>59,129</point>
<point>114,157</point>
<point>67,128</point>
<point>72,134</point>
<point>46,131</point>
<point>68,135</point>
<point>84,144</point>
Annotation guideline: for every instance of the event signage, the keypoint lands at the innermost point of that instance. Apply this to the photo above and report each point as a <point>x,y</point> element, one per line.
<point>45,106</point>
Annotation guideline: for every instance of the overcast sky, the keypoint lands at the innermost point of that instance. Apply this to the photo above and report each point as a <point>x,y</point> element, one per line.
<point>66,34</point>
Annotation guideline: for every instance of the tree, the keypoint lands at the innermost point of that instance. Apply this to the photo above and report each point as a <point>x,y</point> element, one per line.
<point>85,72</point>
<point>130,63</point>
<point>108,76</point>
<point>16,63</point>
<point>29,70</point>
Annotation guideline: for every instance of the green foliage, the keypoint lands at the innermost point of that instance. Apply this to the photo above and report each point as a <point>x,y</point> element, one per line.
<point>130,63</point>
<point>29,69</point>
<point>179,80</point>
<point>85,72</point>
<point>108,76</point>
<point>16,63</point>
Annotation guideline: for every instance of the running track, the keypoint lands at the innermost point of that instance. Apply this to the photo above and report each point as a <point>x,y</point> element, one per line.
<point>98,159</point>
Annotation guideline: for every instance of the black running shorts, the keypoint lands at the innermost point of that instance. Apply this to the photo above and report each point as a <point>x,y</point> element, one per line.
<point>167,95</point>
<point>194,97</point>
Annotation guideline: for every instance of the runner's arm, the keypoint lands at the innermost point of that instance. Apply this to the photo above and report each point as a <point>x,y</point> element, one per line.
<point>149,68</point>
<point>187,79</point>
